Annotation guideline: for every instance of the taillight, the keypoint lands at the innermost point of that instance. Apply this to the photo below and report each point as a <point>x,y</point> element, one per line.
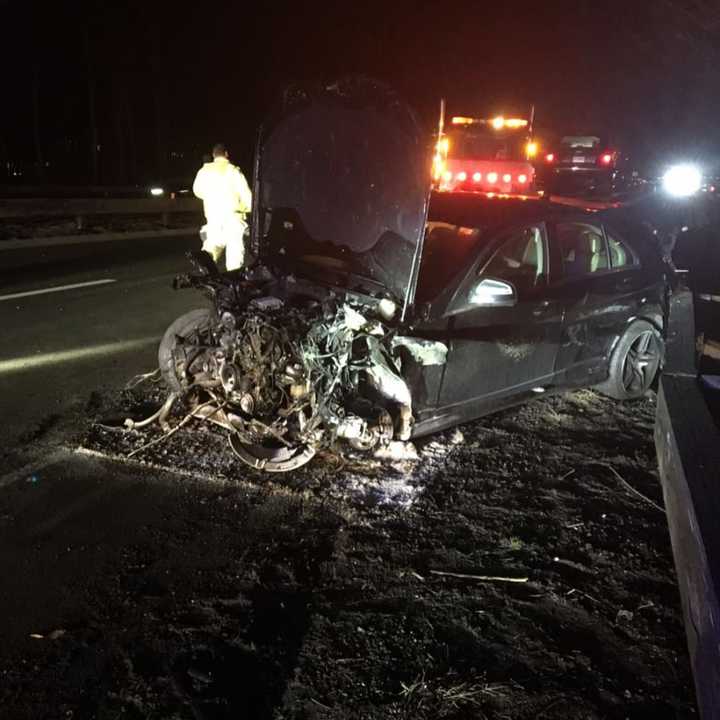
<point>606,158</point>
<point>550,157</point>
<point>477,177</point>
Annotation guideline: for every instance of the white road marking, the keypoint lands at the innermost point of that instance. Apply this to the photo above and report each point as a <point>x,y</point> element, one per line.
<point>57,288</point>
<point>30,362</point>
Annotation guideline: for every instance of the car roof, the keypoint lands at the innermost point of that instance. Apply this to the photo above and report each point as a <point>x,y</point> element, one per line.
<point>475,209</point>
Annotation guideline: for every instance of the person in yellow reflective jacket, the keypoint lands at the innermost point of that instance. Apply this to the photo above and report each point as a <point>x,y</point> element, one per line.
<point>226,199</point>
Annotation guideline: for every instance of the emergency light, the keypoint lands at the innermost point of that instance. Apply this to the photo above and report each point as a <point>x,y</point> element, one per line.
<point>498,123</point>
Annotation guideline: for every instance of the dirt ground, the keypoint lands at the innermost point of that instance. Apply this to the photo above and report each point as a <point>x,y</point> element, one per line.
<point>508,572</point>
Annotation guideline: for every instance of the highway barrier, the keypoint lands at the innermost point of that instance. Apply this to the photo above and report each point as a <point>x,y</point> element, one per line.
<point>79,209</point>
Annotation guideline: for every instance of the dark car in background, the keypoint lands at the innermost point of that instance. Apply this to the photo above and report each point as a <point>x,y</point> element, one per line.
<point>379,311</point>
<point>586,165</point>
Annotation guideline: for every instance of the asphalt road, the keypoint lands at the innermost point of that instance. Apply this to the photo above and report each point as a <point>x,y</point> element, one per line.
<point>100,329</point>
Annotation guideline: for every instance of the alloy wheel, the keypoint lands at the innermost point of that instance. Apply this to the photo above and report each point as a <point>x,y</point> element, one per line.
<point>641,363</point>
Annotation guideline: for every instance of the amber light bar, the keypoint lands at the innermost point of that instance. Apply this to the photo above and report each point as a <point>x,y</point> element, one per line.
<point>498,123</point>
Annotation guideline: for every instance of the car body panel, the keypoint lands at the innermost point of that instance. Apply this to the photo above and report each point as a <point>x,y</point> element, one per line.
<point>599,306</point>
<point>559,335</point>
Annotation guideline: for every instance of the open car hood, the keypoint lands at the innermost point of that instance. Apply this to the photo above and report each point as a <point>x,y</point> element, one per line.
<point>342,186</point>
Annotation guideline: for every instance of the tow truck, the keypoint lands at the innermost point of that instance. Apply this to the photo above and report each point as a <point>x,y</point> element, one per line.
<point>485,154</point>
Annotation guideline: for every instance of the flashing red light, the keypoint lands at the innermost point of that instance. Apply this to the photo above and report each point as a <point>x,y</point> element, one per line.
<point>522,179</point>
<point>550,157</point>
<point>606,158</point>
<point>477,177</point>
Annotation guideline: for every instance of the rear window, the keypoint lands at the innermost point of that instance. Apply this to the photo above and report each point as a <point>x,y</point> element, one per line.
<point>581,141</point>
<point>486,145</point>
<point>621,254</point>
<point>583,249</point>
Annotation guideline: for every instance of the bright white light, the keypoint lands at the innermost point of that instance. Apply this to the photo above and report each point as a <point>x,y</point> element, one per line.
<point>461,176</point>
<point>477,177</point>
<point>682,180</point>
<point>507,177</point>
<point>157,191</point>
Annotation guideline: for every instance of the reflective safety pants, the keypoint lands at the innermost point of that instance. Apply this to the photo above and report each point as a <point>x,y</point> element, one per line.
<point>226,234</point>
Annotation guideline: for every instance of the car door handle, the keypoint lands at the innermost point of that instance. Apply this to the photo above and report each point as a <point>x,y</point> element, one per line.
<point>542,308</point>
<point>623,283</point>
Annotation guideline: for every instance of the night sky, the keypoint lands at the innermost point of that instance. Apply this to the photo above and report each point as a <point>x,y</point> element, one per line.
<point>164,79</point>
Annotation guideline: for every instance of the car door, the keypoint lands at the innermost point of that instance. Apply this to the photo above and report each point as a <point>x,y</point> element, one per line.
<point>502,329</point>
<point>596,277</point>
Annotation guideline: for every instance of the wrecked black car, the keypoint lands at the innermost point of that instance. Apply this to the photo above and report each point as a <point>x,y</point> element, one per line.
<point>378,312</point>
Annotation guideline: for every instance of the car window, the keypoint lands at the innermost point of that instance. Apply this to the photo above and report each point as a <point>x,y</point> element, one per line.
<point>447,249</point>
<point>583,249</point>
<point>620,253</point>
<point>520,259</point>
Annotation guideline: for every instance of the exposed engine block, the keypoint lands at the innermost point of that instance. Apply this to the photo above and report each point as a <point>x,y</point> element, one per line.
<point>297,376</point>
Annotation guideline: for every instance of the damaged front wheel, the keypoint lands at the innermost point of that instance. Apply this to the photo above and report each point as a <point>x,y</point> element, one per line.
<point>273,457</point>
<point>174,355</point>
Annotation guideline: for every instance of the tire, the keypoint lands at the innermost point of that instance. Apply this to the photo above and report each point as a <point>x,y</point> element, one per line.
<point>634,363</point>
<point>183,327</point>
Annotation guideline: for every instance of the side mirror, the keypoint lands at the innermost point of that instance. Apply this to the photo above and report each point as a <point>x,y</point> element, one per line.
<point>489,292</point>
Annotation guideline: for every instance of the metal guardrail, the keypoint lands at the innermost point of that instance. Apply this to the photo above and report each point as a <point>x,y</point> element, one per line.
<point>688,447</point>
<point>73,191</point>
<point>80,208</point>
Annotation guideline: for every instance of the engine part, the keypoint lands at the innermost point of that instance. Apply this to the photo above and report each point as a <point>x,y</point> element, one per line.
<point>287,376</point>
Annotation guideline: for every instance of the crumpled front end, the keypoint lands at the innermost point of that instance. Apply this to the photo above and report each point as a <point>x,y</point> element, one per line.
<point>290,376</point>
